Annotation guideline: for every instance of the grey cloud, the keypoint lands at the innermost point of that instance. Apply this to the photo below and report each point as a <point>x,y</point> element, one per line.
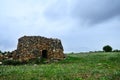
<point>96,11</point>
<point>91,11</point>
<point>61,19</point>
<point>7,43</point>
<point>57,10</point>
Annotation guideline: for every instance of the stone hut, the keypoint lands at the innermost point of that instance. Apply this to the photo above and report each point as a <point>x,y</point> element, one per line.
<point>30,47</point>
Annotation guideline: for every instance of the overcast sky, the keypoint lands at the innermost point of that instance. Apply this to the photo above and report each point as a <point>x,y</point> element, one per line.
<point>82,25</point>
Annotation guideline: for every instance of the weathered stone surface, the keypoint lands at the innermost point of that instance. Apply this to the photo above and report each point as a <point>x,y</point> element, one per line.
<point>30,47</point>
<point>1,57</point>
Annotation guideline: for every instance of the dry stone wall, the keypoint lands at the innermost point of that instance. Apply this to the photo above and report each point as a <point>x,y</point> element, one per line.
<point>1,57</point>
<point>30,47</point>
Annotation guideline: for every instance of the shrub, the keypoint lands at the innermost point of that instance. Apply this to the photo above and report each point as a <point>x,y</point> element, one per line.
<point>11,62</point>
<point>116,50</point>
<point>36,61</point>
<point>107,48</point>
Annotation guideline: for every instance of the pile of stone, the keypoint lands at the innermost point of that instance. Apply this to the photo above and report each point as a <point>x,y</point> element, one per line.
<point>30,47</point>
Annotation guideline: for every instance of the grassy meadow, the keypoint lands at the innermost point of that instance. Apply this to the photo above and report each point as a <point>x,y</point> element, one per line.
<point>88,66</point>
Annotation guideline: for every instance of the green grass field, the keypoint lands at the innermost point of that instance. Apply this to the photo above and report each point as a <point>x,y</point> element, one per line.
<point>88,66</point>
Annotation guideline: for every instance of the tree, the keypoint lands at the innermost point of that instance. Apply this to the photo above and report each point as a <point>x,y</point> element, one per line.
<point>107,48</point>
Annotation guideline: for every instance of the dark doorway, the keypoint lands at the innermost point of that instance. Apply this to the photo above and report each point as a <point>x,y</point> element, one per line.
<point>44,54</point>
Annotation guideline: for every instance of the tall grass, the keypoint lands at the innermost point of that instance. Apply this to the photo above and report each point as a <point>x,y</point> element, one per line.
<point>92,66</point>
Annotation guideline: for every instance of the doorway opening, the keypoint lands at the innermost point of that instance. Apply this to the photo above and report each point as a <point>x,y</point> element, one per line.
<point>44,54</point>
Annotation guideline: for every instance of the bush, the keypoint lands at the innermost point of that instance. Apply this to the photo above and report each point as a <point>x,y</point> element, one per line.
<point>31,61</point>
<point>11,62</point>
<point>116,50</point>
<point>35,61</point>
<point>107,48</point>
